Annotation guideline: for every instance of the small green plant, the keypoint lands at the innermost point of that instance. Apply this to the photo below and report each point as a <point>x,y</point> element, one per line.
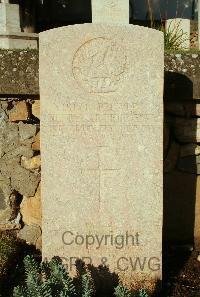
<point>174,38</point>
<point>50,279</point>
<point>121,291</point>
<point>142,293</point>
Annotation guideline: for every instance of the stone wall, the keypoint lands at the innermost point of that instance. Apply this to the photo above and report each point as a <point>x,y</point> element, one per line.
<point>20,206</point>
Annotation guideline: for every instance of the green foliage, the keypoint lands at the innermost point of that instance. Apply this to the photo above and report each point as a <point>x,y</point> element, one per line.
<point>142,293</point>
<point>50,279</point>
<point>122,291</point>
<point>174,38</point>
<point>87,286</point>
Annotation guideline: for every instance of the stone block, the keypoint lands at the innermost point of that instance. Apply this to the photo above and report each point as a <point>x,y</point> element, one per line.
<point>30,234</point>
<point>26,131</point>
<point>36,109</point>
<point>31,164</point>
<point>19,112</point>
<point>36,142</point>
<point>30,209</point>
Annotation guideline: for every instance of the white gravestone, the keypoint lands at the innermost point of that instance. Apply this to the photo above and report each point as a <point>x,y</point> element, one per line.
<point>110,11</point>
<point>11,36</point>
<point>101,89</point>
<point>180,28</point>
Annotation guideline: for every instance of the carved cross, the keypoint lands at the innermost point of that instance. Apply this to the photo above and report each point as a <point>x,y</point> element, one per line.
<point>110,11</point>
<point>100,170</point>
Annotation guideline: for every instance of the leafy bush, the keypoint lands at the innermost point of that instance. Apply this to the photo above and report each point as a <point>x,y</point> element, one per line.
<point>50,280</point>
<point>142,293</point>
<point>122,291</point>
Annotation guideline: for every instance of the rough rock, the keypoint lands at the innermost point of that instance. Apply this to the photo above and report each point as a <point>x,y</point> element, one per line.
<point>36,109</point>
<point>31,164</point>
<point>172,157</point>
<point>39,244</point>
<point>10,137</point>
<point>190,164</point>
<point>23,181</point>
<point>30,234</point>
<point>26,131</point>
<point>19,112</point>
<point>36,143</point>
<point>190,149</point>
<point>30,209</point>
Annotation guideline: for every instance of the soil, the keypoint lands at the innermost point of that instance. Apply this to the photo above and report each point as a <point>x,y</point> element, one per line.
<point>182,273</point>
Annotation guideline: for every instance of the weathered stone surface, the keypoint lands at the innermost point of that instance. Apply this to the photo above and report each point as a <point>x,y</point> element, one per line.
<point>36,109</point>
<point>19,112</point>
<point>102,139</point>
<point>9,18</point>
<point>26,131</point>
<point>172,157</point>
<point>30,234</point>
<point>189,164</point>
<point>187,130</point>
<point>109,11</point>
<point>30,209</point>
<point>19,72</point>
<point>190,149</point>
<point>24,181</point>
<point>36,142</point>
<point>31,164</point>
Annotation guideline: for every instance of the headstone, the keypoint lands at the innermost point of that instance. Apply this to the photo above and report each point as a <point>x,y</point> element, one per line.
<point>11,36</point>
<point>179,28</point>
<point>110,11</point>
<point>102,148</point>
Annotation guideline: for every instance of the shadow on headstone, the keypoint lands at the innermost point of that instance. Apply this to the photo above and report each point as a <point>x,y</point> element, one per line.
<point>179,184</point>
<point>104,281</point>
